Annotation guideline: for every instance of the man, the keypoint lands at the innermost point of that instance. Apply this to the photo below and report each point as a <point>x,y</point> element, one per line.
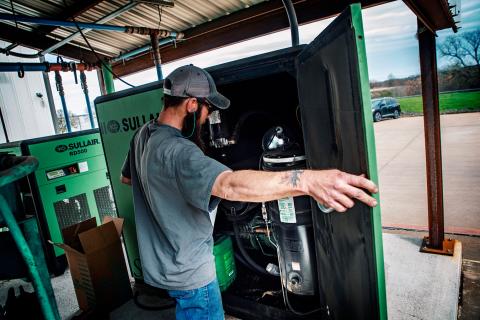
<point>177,188</point>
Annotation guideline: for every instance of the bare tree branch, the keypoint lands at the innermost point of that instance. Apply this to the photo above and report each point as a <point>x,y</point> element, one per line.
<point>463,48</point>
<point>452,48</point>
<point>473,39</point>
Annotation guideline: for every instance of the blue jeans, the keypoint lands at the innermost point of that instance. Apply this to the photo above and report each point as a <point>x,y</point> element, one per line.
<point>204,303</point>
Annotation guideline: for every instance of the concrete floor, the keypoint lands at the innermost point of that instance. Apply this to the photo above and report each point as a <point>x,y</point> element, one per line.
<point>401,164</point>
<point>419,285</point>
<point>469,298</point>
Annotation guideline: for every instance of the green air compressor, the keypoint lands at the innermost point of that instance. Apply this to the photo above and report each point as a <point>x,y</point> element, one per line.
<point>119,115</point>
<point>11,147</point>
<point>70,185</point>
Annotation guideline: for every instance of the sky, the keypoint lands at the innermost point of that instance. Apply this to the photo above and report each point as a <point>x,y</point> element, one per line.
<point>391,44</point>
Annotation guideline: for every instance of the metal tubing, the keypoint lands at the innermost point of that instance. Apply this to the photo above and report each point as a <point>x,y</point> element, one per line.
<point>107,18</point>
<point>156,54</point>
<point>40,276</point>
<point>140,50</point>
<point>59,84</point>
<point>108,78</point>
<point>95,26</point>
<point>431,120</point>
<point>292,20</point>
<point>58,23</point>
<point>43,66</point>
<point>16,67</point>
<point>83,82</point>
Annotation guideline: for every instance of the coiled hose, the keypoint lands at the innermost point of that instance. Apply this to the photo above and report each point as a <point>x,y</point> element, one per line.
<point>19,167</point>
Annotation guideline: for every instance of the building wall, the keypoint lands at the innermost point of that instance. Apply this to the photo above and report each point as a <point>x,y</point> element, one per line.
<point>25,114</point>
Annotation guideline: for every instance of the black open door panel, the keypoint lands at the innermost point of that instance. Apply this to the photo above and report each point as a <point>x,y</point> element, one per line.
<point>332,95</point>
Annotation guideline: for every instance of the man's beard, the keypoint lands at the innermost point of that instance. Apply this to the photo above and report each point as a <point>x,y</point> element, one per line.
<point>196,137</point>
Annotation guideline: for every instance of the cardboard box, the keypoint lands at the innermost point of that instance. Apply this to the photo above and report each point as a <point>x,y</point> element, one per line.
<point>95,257</point>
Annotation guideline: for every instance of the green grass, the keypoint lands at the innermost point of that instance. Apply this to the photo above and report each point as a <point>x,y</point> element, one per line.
<point>449,102</point>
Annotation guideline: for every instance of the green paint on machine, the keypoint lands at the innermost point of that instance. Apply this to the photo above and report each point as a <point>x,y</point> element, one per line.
<point>119,116</point>
<point>71,183</point>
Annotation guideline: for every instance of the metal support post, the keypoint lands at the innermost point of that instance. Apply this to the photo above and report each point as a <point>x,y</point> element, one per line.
<point>83,82</point>
<point>156,54</point>
<point>51,102</point>
<point>59,84</point>
<point>4,127</point>
<point>108,77</point>
<point>101,83</point>
<point>435,242</point>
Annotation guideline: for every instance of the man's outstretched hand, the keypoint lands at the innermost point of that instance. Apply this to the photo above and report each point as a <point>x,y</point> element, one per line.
<point>336,189</point>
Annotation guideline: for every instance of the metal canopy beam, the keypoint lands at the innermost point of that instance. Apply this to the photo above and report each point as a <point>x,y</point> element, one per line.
<point>264,18</point>
<point>40,42</point>
<point>434,15</point>
<point>75,9</point>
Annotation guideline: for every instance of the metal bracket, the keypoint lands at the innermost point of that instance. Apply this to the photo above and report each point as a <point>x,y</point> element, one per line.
<point>448,247</point>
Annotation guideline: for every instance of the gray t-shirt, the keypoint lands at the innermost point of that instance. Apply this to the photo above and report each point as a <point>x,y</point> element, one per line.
<point>172,180</point>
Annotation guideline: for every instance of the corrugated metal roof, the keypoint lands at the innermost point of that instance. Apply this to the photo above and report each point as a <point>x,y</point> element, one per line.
<point>183,15</point>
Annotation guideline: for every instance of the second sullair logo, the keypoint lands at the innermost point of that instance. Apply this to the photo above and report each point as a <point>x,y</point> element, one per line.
<point>126,124</point>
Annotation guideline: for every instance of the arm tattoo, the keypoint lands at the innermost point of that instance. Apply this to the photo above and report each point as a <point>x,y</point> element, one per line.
<point>292,177</point>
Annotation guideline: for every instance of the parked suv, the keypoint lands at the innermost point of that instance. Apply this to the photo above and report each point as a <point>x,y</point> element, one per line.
<point>385,107</point>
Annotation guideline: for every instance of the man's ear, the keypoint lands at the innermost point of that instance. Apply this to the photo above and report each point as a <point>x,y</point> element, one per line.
<point>192,105</point>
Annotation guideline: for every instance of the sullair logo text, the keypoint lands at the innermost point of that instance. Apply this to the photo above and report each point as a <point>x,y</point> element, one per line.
<point>126,124</point>
<point>77,147</point>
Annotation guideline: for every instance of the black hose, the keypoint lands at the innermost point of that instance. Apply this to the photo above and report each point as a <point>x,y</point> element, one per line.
<point>244,253</point>
<point>292,19</point>
<point>298,313</point>
<point>20,55</point>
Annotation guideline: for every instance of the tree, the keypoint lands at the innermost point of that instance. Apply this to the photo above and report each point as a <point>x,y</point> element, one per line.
<point>391,80</point>
<point>463,49</point>
<point>62,126</point>
<point>413,86</point>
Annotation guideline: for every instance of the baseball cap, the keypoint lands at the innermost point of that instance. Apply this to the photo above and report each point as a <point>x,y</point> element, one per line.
<point>192,81</point>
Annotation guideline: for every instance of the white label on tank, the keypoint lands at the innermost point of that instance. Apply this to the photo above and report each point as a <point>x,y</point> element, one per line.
<point>295,266</point>
<point>287,210</point>
<point>83,166</point>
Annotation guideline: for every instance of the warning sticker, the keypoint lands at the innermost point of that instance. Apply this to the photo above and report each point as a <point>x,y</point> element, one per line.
<point>287,210</point>
<point>295,266</point>
<point>83,166</point>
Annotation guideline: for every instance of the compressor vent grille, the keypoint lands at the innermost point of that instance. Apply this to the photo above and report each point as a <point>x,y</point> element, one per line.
<point>105,202</point>
<point>72,210</point>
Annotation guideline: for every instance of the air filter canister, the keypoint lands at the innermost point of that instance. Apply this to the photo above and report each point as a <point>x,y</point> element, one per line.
<point>292,227</point>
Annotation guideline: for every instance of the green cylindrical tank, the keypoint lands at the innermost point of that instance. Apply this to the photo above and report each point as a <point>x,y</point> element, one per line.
<point>224,262</point>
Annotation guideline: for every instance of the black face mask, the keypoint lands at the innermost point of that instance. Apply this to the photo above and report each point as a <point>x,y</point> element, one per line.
<point>188,126</point>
